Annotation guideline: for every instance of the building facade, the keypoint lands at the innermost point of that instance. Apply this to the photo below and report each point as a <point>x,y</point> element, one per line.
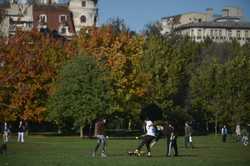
<point>84,13</point>
<point>16,16</point>
<point>65,19</point>
<point>59,21</point>
<point>226,27</point>
<point>217,31</point>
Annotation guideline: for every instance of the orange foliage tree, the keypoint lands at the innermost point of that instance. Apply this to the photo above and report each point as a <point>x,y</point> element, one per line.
<point>121,54</point>
<point>28,64</point>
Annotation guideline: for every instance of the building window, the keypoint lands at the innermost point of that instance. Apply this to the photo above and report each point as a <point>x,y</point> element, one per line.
<point>220,33</point>
<point>83,3</point>
<point>63,30</point>
<point>62,18</point>
<point>192,33</point>
<point>43,18</point>
<point>247,34</point>
<point>238,35</point>
<point>199,34</point>
<point>211,33</point>
<point>95,19</point>
<point>229,34</point>
<point>83,19</point>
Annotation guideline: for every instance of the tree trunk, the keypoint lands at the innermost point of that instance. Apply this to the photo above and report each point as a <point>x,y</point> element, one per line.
<point>216,123</point>
<point>129,124</point>
<point>207,129</point>
<point>81,131</point>
<point>90,129</point>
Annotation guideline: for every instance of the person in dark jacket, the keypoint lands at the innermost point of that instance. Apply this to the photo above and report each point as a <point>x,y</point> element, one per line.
<point>224,133</point>
<point>171,140</point>
<point>101,139</point>
<point>21,129</point>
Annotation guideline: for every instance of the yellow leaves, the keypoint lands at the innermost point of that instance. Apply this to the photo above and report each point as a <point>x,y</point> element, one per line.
<point>7,115</point>
<point>36,114</point>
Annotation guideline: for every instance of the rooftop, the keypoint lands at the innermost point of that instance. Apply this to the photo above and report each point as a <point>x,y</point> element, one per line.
<point>211,24</point>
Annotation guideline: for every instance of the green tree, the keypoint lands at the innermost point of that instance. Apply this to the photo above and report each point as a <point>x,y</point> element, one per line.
<point>81,93</point>
<point>219,86</point>
<point>166,67</point>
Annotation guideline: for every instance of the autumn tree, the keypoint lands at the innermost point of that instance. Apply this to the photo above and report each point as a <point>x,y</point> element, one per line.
<point>120,54</point>
<point>29,62</point>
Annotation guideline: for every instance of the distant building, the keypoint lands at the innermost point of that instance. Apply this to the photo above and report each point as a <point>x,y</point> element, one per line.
<point>16,16</point>
<point>54,18</point>
<point>220,28</point>
<point>217,31</point>
<point>84,13</point>
<point>65,19</point>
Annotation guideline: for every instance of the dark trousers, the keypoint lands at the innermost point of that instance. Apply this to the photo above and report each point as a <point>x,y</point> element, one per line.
<point>173,145</point>
<point>146,141</point>
<point>224,138</point>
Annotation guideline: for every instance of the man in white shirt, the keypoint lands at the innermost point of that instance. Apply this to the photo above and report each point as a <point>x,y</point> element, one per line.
<point>148,138</point>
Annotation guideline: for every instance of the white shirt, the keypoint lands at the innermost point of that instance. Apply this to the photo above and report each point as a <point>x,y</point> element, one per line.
<point>150,128</point>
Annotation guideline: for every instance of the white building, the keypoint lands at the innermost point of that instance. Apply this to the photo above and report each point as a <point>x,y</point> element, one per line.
<point>172,22</point>
<point>84,13</point>
<point>17,16</point>
<point>219,28</point>
<point>225,31</point>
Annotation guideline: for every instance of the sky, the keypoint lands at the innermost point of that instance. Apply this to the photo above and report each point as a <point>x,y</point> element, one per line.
<point>138,13</point>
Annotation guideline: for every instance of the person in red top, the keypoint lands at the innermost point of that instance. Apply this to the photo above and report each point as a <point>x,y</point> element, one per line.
<point>101,139</point>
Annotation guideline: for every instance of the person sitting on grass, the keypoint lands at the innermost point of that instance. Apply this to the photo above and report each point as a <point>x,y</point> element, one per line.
<point>148,138</point>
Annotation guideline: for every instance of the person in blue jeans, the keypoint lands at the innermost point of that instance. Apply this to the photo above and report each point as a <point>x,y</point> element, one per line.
<point>224,133</point>
<point>101,139</point>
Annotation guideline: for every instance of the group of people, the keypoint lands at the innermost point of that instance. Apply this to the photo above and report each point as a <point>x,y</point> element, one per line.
<point>6,132</point>
<point>153,132</point>
<point>241,135</point>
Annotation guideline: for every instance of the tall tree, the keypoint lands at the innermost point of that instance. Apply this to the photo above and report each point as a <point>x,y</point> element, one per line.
<point>166,67</point>
<point>81,94</point>
<point>120,54</point>
<point>29,63</point>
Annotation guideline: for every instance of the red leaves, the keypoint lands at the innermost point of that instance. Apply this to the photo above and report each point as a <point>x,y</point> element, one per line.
<point>30,63</point>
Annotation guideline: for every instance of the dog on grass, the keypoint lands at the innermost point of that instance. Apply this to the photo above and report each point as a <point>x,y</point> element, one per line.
<point>3,149</point>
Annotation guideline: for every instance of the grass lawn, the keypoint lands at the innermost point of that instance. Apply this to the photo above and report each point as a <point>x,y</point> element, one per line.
<point>73,151</point>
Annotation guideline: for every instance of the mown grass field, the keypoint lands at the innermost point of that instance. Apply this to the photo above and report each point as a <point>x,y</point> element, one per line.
<point>73,151</point>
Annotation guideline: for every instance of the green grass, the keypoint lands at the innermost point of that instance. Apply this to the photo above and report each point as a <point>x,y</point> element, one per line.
<point>73,151</point>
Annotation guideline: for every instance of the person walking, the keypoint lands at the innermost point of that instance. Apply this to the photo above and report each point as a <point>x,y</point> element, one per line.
<point>188,136</point>
<point>148,138</point>
<point>238,133</point>
<point>224,133</point>
<point>21,129</point>
<point>6,131</point>
<point>101,139</point>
